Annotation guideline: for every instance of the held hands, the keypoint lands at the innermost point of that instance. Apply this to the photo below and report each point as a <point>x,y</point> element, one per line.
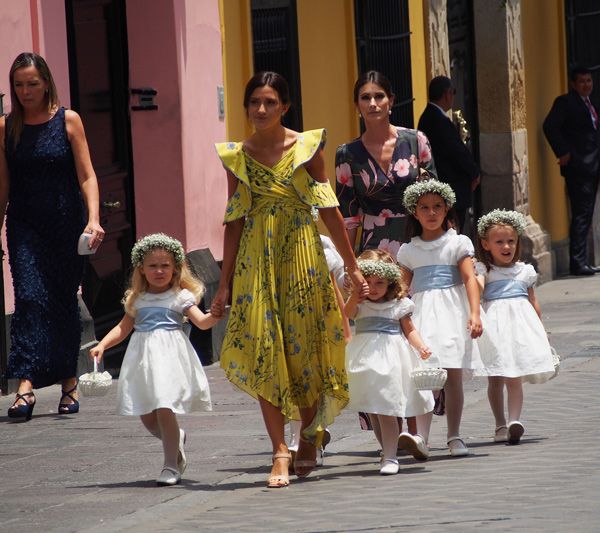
<point>475,326</point>
<point>358,282</point>
<point>219,303</point>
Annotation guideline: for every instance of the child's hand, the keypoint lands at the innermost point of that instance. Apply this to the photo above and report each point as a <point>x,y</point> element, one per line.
<point>97,351</point>
<point>475,326</point>
<point>424,352</point>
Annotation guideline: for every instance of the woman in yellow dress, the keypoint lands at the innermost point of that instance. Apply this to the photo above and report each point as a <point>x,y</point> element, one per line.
<point>284,343</point>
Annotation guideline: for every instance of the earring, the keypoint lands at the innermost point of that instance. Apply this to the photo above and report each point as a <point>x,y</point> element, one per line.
<point>389,112</point>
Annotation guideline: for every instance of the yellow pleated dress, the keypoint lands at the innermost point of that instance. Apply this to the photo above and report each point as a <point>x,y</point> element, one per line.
<point>284,340</point>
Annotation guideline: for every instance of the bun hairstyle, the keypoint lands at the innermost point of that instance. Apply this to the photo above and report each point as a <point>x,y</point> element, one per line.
<point>381,264</point>
<point>267,79</point>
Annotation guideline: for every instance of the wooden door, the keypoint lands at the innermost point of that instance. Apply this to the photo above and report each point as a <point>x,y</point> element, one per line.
<point>98,64</point>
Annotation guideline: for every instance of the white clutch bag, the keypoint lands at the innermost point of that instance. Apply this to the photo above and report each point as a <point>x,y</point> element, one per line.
<point>83,245</point>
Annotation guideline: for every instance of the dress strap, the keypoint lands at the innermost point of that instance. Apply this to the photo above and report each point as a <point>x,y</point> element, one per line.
<point>435,277</point>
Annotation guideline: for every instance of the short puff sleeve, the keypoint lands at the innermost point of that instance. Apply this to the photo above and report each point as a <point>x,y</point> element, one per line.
<point>530,276</point>
<point>464,247</point>
<point>480,269</point>
<point>403,256</point>
<point>405,307</point>
<point>185,300</point>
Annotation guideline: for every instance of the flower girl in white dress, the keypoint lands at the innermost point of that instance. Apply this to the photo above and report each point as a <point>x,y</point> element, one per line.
<point>514,315</point>
<point>161,374</point>
<point>379,359</point>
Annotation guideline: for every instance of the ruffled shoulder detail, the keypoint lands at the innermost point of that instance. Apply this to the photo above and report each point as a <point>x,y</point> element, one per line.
<point>530,276</point>
<point>233,159</point>
<point>310,191</point>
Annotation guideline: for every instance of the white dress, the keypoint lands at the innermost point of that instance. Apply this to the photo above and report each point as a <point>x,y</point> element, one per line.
<point>161,368</point>
<point>524,349</point>
<point>379,363</point>
<point>441,314</point>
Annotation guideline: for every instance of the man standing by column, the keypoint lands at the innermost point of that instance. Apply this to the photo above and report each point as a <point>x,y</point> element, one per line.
<point>453,161</point>
<point>572,130</point>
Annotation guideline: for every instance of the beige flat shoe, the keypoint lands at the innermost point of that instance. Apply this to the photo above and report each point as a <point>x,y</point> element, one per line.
<point>501,434</point>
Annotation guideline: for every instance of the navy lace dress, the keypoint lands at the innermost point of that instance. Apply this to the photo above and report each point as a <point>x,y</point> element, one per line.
<point>43,222</point>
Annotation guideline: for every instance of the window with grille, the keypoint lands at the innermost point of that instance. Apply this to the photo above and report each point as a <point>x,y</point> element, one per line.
<point>583,44</point>
<point>383,44</point>
<point>275,47</point>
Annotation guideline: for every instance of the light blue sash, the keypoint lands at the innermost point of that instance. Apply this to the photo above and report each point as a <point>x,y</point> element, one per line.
<point>377,324</point>
<point>151,318</point>
<point>505,288</point>
<point>435,277</point>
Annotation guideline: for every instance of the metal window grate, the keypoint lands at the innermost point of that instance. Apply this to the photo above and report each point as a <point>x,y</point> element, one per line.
<point>275,47</point>
<point>383,44</point>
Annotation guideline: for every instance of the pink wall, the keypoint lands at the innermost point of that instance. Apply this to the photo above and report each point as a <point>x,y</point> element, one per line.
<point>175,48</point>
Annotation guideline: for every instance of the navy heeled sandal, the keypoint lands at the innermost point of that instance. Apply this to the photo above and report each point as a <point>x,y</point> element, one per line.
<point>68,408</point>
<point>24,410</point>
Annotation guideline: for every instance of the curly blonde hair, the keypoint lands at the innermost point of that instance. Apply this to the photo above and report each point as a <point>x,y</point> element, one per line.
<point>183,278</point>
<point>396,289</point>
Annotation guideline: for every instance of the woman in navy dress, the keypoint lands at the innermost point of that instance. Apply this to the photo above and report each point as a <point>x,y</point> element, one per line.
<point>45,173</point>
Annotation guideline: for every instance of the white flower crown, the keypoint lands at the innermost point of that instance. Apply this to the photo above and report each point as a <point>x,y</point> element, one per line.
<point>431,186</point>
<point>501,216</point>
<point>154,241</point>
<point>380,269</point>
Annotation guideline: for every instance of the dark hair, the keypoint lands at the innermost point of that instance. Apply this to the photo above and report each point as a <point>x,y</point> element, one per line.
<point>486,257</point>
<point>396,289</point>
<point>372,76</point>
<point>414,228</point>
<point>437,87</point>
<point>578,70</point>
<point>28,59</point>
<point>270,79</point>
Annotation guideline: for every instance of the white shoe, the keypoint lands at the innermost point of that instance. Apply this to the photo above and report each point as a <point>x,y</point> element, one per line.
<point>168,477</point>
<point>515,432</point>
<point>413,444</point>
<point>320,455</point>
<point>181,459</point>
<point>501,434</point>
<point>389,467</point>
<point>457,447</point>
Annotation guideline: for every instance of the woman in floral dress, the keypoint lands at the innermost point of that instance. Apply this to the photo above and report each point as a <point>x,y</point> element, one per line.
<point>373,171</point>
<point>284,343</point>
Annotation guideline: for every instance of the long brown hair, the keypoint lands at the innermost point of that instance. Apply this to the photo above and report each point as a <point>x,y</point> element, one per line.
<point>29,59</point>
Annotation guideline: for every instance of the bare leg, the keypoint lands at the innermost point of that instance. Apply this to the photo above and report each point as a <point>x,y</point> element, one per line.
<point>151,423</point>
<point>24,386</point>
<point>424,426</point>
<point>454,400</point>
<point>389,435</point>
<point>495,394</point>
<point>514,391</point>
<point>274,422</point>
<point>376,429</point>
<point>169,430</point>
<point>68,384</point>
<point>411,425</point>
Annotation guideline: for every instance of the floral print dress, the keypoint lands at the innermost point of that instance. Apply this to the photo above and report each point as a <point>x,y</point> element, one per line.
<point>371,197</point>
<point>284,340</point>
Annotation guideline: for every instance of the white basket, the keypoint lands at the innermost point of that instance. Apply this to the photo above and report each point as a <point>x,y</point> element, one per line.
<point>95,383</point>
<point>429,378</point>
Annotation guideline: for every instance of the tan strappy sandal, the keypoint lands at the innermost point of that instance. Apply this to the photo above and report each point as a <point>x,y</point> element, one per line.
<point>283,480</point>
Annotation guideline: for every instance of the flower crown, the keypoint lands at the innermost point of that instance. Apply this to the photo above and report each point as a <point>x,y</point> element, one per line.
<point>431,186</point>
<point>380,269</point>
<point>154,241</point>
<point>501,216</point>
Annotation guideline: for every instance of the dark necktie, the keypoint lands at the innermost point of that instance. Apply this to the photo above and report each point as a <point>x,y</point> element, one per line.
<point>592,111</point>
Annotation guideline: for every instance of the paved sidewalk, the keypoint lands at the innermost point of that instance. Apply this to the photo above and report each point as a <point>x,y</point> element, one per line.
<point>95,471</point>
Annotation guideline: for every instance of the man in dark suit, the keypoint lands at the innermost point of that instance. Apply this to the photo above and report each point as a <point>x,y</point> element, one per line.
<point>572,130</point>
<point>453,161</point>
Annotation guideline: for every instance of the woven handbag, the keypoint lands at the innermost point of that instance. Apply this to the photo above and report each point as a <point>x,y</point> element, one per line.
<point>95,383</point>
<point>429,377</point>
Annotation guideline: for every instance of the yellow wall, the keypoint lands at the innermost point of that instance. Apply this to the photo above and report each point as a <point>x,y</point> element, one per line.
<point>236,43</point>
<point>417,57</point>
<point>545,78</point>
<point>328,70</point>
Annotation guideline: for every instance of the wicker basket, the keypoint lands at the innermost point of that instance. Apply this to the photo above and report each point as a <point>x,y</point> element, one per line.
<point>95,383</point>
<point>429,378</point>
